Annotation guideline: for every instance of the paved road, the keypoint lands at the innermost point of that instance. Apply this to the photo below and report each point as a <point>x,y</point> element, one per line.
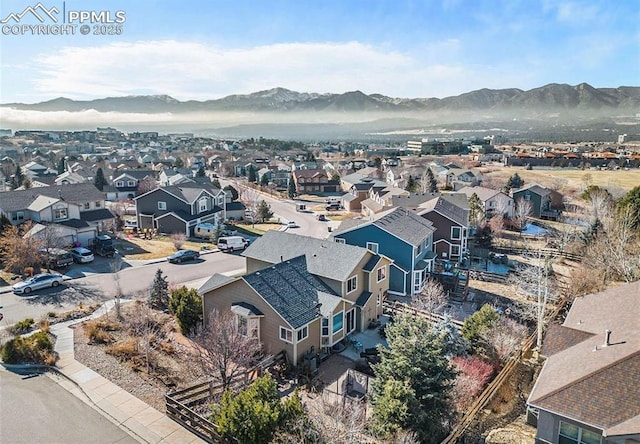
<point>36,409</point>
<point>100,287</point>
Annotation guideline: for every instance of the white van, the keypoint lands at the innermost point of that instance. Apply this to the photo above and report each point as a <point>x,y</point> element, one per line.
<point>232,243</point>
<point>204,230</point>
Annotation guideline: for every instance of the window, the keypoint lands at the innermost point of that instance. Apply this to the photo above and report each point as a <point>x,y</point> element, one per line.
<point>303,333</point>
<point>455,232</point>
<point>98,204</point>
<point>242,325</point>
<point>352,284</point>
<point>455,250</point>
<point>131,183</point>
<point>339,241</point>
<point>60,213</point>
<point>419,249</point>
<point>378,299</point>
<point>338,320</point>
<point>572,434</point>
<point>527,197</point>
<point>221,200</point>
<point>120,183</point>
<point>372,246</point>
<point>202,205</point>
<point>325,326</point>
<point>382,273</point>
<point>87,205</point>
<point>351,320</point>
<point>286,335</point>
<point>18,216</point>
<point>162,205</point>
<point>417,281</point>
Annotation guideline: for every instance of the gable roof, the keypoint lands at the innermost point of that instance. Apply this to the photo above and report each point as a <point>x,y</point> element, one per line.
<point>291,290</point>
<point>590,382</point>
<point>450,206</point>
<point>405,225</point>
<point>324,258</point>
<point>75,193</point>
<point>484,194</point>
<point>534,188</point>
<point>187,192</point>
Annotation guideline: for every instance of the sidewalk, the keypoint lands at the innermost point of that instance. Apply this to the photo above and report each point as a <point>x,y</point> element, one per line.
<point>137,418</point>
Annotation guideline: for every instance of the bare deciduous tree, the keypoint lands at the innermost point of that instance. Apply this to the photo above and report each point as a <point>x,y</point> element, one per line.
<point>142,324</point>
<point>19,253</point>
<point>432,298</point>
<point>521,214</point>
<point>223,348</point>
<point>339,422</point>
<point>145,185</point>
<point>504,338</point>
<point>178,240</point>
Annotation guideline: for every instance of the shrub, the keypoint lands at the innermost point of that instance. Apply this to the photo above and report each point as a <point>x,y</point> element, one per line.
<point>477,323</point>
<point>34,349</point>
<point>97,334</point>
<point>125,349</point>
<point>187,306</point>
<point>178,240</point>
<point>473,375</point>
<point>44,325</point>
<point>22,327</point>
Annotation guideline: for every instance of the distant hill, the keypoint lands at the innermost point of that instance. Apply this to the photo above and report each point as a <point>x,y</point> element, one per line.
<point>548,98</point>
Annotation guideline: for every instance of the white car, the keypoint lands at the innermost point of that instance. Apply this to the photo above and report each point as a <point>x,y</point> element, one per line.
<point>292,224</point>
<point>44,280</point>
<point>81,255</point>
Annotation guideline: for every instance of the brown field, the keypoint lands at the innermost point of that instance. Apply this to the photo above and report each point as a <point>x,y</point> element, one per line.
<point>575,178</point>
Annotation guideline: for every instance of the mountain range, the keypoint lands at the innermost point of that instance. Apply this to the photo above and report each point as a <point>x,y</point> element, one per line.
<point>548,98</point>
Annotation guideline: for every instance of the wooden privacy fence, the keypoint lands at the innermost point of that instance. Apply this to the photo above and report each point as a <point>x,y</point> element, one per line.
<point>550,251</point>
<point>399,307</point>
<point>490,391</point>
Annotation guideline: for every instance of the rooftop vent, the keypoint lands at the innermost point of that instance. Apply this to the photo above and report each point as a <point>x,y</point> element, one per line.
<point>607,338</point>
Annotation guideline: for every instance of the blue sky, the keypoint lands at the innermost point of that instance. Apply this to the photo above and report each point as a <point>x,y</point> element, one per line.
<point>208,49</point>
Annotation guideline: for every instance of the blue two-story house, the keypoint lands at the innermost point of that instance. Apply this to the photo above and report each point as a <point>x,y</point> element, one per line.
<point>400,235</point>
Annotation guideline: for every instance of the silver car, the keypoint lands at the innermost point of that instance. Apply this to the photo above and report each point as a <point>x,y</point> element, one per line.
<point>44,280</point>
<point>81,255</point>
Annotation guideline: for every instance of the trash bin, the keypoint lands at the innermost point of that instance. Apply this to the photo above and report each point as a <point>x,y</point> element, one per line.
<point>329,229</point>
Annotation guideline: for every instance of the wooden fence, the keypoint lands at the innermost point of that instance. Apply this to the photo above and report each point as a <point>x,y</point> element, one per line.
<point>399,307</point>
<point>534,251</point>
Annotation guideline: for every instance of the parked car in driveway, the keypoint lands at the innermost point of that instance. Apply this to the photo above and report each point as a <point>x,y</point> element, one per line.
<point>81,255</point>
<point>183,255</point>
<point>44,280</point>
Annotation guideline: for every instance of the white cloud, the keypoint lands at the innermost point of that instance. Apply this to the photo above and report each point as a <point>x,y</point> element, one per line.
<point>190,70</point>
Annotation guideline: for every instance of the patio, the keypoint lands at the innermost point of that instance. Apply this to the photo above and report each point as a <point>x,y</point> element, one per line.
<point>369,338</point>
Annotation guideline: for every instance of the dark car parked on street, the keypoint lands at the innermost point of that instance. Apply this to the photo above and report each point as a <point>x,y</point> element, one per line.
<point>183,255</point>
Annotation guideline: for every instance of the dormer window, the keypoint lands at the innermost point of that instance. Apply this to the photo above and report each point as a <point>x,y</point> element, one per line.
<point>202,205</point>
<point>131,183</point>
<point>120,183</point>
<point>60,213</point>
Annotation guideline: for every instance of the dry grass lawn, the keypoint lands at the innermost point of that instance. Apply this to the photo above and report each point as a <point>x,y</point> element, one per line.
<point>139,249</point>
<point>258,229</point>
<point>620,178</point>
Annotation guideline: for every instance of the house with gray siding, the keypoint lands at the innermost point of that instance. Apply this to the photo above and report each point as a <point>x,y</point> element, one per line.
<point>179,208</point>
<point>588,390</point>
<point>401,235</point>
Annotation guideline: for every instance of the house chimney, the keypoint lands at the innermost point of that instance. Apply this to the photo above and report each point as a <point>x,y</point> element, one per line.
<point>607,338</point>
<point>281,259</point>
<point>60,194</point>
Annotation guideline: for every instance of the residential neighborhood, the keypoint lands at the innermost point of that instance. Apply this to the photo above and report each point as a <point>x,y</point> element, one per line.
<point>310,266</point>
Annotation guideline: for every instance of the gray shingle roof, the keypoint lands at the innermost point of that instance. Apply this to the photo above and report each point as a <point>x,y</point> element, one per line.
<point>363,298</point>
<point>75,193</point>
<point>94,215</point>
<point>291,290</point>
<point>450,206</point>
<point>215,281</point>
<point>371,263</point>
<point>324,258</point>
<point>190,191</point>
<point>405,225</point>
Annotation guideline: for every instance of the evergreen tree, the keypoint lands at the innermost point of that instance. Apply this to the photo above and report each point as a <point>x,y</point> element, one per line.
<point>515,181</point>
<point>216,183</point>
<point>201,172</point>
<point>251,174</point>
<point>415,377</point>
<point>263,212</point>
<point>62,165</point>
<point>433,183</point>
<point>476,212</point>
<point>18,178</point>
<point>478,323</point>
<point>412,185</point>
<point>291,188</point>
<point>99,181</point>
<point>232,191</point>
<point>187,306</point>
<point>264,180</point>
<point>631,202</point>
<point>26,183</point>
<point>178,163</point>
<point>159,294</point>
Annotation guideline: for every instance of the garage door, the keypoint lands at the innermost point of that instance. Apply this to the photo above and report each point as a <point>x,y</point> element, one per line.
<point>85,238</point>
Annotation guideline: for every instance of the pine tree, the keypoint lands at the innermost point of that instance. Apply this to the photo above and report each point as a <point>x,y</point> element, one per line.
<point>251,174</point>
<point>412,185</point>
<point>514,181</point>
<point>201,172</point>
<point>264,180</point>
<point>476,212</point>
<point>62,165</point>
<point>18,178</point>
<point>433,183</point>
<point>291,188</point>
<point>187,306</point>
<point>414,374</point>
<point>263,212</point>
<point>159,294</point>
<point>178,163</point>
<point>99,181</point>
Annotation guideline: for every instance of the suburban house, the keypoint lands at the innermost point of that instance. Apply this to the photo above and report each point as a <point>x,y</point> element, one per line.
<point>359,191</point>
<point>301,293</point>
<point>400,235</point>
<point>314,181</point>
<point>179,208</point>
<point>493,201</point>
<point>124,185</point>
<point>587,390</point>
<point>541,200</point>
<point>449,214</point>
<point>380,199</point>
<point>79,207</point>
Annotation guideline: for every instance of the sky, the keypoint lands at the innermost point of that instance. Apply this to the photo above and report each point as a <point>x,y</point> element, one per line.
<point>201,50</point>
